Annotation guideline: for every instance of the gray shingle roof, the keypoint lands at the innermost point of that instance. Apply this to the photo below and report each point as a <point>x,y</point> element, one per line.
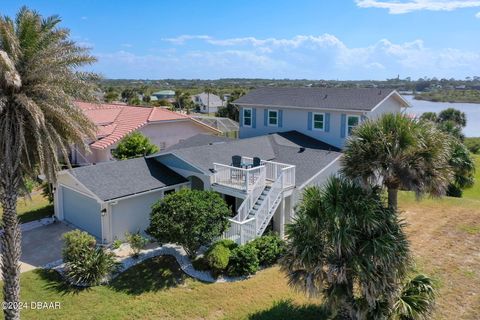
<point>307,154</point>
<point>112,180</point>
<point>200,139</point>
<point>214,100</point>
<point>321,98</point>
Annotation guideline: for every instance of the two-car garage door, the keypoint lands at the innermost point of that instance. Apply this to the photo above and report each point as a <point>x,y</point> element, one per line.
<point>82,211</point>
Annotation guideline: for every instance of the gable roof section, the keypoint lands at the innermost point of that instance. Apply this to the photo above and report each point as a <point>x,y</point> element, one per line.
<point>117,179</point>
<point>307,154</point>
<point>354,99</point>
<point>115,121</point>
<point>214,100</point>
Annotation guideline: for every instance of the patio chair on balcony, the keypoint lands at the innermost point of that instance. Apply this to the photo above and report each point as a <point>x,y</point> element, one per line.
<point>237,163</point>
<point>256,162</point>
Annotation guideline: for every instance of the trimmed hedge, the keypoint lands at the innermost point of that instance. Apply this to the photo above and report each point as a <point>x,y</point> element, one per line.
<point>218,257</point>
<point>243,261</point>
<point>270,249</point>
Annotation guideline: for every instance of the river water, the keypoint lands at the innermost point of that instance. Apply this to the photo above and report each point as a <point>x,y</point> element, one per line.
<point>472,110</point>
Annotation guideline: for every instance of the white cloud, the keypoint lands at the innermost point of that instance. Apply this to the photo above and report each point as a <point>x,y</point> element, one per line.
<point>303,56</point>
<point>84,18</point>
<point>399,7</point>
<point>127,45</point>
<point>183,38</point>
<point>477,15</point>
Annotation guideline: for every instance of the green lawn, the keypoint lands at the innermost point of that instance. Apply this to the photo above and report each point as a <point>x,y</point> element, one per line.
<point>474,192</point>
<point>33,209</point>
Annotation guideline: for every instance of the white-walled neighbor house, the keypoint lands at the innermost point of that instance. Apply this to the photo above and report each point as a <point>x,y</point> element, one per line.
<point>114,121</point>
<point>261,176</point>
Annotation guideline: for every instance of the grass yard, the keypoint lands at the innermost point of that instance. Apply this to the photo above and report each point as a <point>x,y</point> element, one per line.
<point>474,192</point>
<point>34,209</point>
<point>445,239</point>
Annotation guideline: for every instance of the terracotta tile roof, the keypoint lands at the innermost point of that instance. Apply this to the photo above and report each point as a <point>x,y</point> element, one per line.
<point>114,121</point>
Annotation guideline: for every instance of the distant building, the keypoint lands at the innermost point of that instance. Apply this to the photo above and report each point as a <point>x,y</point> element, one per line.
<point>207,103</point>
<point>164,94</point>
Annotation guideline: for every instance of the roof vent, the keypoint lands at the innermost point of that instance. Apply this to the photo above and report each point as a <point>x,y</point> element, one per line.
<point>380,92</point>
<point>302,149</point>
<point>325,97</point>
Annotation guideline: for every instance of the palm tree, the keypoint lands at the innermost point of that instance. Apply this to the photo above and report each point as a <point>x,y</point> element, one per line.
<point>39,81</point>
<point>349,247</point>
<point>401,153</point>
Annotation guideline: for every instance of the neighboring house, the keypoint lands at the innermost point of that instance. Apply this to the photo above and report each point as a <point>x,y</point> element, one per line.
<point>164,94</point>
<point>327,114</point>
<point>112,198</point>
<point>163,127</point>
<point>207,102</point>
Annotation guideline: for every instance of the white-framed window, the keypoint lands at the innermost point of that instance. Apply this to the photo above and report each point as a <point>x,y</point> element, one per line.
<point>318,121</point>
<point>352,122</point>
<point>247,117</point>
<point>273,118</point>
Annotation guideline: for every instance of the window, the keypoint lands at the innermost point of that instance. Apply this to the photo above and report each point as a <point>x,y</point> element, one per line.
<point>247,117</point>
<point>273,118</point>
<point>318,121</point>
<point>352,122</point>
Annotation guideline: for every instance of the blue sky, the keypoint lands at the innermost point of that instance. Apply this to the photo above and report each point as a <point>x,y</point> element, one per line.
<point>314,39</point>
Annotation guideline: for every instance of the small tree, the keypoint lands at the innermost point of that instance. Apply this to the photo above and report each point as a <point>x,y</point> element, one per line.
<point>191,218</point>
<point>136,241</point>
<point>85,264</point>
<point>134,145</point>
<point>400,153</point>
<point>349,247</point>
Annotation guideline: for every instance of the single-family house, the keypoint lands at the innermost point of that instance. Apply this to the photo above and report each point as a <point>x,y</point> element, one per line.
<point>114,121</point>
<point>164,94</point>
<point>207,102</point>
<point>326,114</point>
<point>259,177</point>
<point>289,141</point>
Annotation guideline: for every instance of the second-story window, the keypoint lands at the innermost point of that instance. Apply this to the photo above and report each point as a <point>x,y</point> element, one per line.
<point>318,121</point>
<point>273,118</point>
<point>247,117</point>
<point>352,122</point>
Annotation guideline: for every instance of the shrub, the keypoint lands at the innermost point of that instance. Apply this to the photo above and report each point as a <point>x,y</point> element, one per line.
<point>243,261</point>
<point>85,264</point>
<point>134,145</point>
<point>76,242</point>
<point>270,249</point>
<point>227,243</point>
<point>136,241</point>
<point>191,218</point>
<point>218,257</point>
<point>116,244</point>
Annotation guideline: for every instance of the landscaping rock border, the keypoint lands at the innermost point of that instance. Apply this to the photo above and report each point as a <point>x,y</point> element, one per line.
<point>166,250</point>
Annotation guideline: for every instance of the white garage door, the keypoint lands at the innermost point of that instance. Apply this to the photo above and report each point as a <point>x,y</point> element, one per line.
<point>82,211</point>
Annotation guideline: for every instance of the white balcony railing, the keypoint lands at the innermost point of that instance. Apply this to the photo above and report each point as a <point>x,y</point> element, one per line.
<point>238,178</point>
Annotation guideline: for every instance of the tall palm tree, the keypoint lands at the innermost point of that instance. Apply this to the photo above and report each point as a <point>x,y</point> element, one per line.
<point>39,81</point>
<point>347,246</point>
<point>401,153</point>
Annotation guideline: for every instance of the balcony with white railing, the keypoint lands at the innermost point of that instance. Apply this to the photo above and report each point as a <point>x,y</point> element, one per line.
<point>264,186</point>
<point>246,178</point>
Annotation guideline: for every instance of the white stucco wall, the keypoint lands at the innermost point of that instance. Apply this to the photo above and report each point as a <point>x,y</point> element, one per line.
<point>170,133</point>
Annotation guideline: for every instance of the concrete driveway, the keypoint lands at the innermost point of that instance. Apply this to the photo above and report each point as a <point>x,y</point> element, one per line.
<point>42,245</point>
